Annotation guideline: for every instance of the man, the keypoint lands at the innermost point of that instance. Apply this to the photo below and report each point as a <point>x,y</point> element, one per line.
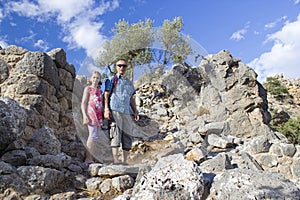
<point>119,104</point>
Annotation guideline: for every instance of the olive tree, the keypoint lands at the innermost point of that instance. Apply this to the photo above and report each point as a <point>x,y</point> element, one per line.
<point>131,42</point>
<point>176,47</point>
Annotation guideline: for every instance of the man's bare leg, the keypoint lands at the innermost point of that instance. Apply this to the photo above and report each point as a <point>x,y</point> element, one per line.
<point>125,156</point>
<point>115,153</point>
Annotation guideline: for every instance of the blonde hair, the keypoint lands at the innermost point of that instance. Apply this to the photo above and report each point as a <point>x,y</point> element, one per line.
<point>94,72</point>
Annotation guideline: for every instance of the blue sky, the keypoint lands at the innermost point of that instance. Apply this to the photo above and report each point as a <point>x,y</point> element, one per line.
<point>264,34</point>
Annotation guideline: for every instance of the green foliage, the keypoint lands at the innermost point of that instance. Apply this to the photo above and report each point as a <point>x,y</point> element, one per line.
<point>176,46</point>
<point>132,42</point>
<point>274,87</point>
<point>291,129</point>
<point>278,117</point>
<point>135,39</point>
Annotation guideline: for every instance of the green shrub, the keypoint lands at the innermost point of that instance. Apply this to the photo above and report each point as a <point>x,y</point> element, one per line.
<point>291,129</point>
<point>274,87</point>
<point>278,117</point>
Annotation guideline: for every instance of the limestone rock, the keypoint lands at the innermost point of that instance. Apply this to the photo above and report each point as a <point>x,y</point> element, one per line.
<point>40,179</point>
<point>244,184</point>
<point>13,122</point>
<point>45,141</point>
<point>172,177</point>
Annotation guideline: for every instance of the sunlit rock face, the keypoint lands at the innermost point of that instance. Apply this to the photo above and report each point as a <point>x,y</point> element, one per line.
<point>211,123</point>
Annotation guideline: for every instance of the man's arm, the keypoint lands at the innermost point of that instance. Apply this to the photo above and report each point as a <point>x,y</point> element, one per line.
<point>106,99</point>
<point>133,107</point>
<point>106,105</point>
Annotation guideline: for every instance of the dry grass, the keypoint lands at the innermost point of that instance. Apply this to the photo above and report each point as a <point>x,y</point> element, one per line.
<point>202,111</point>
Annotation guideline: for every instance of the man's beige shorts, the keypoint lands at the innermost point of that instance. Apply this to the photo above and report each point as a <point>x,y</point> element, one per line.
<point>121,130</point>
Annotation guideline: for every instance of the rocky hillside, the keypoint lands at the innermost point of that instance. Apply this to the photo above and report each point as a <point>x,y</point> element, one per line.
<point>288,107</point>
<point>211,123</point>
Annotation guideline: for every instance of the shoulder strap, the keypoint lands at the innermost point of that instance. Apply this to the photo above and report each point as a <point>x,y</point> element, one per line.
<point>115,82</point>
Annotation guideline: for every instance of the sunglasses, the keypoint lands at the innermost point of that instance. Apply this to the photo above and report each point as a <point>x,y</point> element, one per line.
<point>121,65</point>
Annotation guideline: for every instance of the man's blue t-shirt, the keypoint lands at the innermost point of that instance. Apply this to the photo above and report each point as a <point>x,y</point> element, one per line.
<point>120,94</point>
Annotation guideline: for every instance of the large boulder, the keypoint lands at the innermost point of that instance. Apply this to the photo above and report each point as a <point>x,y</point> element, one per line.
<point>3,71</point>
<point>45,141</point>
<point>233,94</point>
<point>40,179</point>
<point>243,184</point>
<point>12,123</point>
<point>41,65</point>
<point>173,177</point>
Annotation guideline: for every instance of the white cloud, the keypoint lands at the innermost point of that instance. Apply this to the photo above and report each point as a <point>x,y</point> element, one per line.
<point>1,15</point>
<point>41,44</point>
<point>79,19</point>
<point>296,1</point>
<point>84,34</point>
<point>283,56</point>
<point>23,8</point>
<point>3,44</point>
<point>239,35</point>
<point>28,38</point>
<point>43,9</point>
<point>65,10</point>
<point>273,24</point>
<point>37,43</point>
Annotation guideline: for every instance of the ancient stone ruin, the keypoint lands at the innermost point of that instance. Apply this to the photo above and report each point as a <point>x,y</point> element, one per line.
<point>213,136</point>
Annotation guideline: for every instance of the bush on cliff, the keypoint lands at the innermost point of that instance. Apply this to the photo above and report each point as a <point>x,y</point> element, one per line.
<point>274,87</point>
<point>291,129</point>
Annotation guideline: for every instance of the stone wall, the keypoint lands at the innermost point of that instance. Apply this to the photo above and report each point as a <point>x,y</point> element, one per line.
<point>40,82</point>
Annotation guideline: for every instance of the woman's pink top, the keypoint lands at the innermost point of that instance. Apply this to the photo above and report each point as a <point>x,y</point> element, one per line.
<point>94,107</point>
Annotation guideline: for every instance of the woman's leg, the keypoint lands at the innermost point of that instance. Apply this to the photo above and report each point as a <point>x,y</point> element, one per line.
<point>90,144</point>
